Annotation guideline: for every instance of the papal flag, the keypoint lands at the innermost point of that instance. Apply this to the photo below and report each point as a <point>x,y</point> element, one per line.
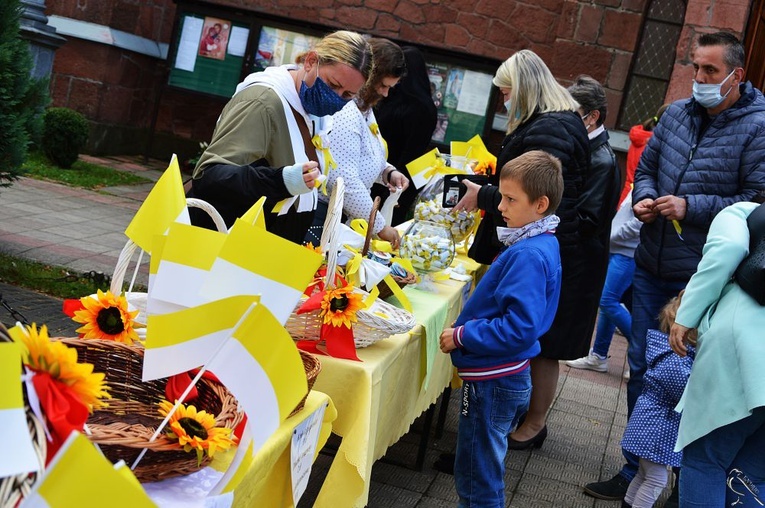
<point>186,339</point>
<point>19,456</point>
<point>254,261</point>
<point>79,476</point>
<point>165,204</point>
<point>263,369</point>
<point>184,264</point>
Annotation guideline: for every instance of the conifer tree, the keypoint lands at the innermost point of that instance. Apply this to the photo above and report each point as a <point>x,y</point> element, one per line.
<point>22,98</point>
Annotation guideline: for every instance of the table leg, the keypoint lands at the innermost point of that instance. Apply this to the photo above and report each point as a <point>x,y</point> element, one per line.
<point>442,411</point>
<point>423,448</point>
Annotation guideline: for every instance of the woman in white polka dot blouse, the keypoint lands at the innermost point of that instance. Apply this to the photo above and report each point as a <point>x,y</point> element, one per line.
<point>652,428</point>
<point>359,149</point>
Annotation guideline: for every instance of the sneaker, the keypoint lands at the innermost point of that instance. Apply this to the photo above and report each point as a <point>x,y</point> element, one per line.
<point>590,362</point>
<point>610,490</point>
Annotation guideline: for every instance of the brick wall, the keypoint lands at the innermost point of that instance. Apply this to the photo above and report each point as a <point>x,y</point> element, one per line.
<point>704,16</point>
<point>597,37</point>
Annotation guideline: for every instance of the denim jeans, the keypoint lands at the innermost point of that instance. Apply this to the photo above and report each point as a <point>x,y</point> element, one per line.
<point>649,295</point>
<point>618,278</point>
<point>489,411</point>
<point>708,461</point>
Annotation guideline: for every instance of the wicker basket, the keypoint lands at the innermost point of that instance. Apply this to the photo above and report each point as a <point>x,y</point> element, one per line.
<point>312,367</point>
<point>382,287</point>
<point>123,429</point>
<point>14,488</point>
<point>379,321</point>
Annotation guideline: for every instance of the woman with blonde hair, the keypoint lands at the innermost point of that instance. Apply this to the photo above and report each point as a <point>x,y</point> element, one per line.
<point>263,143</point>
<point>542,115</point>
<point>359,148</point>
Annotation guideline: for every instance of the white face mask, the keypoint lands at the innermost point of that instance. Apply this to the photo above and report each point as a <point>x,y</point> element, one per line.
<point>708,95</point>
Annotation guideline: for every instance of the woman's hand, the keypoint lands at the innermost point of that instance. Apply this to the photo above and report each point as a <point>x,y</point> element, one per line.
<point>390,234</point>
<point>678,339</point>
<point>397,181</point>
<point>469,201</point>
<point>311,174</point>
<point>447,341</point>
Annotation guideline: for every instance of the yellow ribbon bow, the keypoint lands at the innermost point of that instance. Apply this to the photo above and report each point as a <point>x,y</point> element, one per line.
<point>329,161</point>
<point>360,226</point>
<point>376,131</point>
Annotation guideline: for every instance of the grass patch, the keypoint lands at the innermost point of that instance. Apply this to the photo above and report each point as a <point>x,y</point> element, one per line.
<point>81,174</point>
<point>51,280</point>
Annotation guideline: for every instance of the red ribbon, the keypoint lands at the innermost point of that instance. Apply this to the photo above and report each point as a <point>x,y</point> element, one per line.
<point>71,306</point>
<point>338,339</point>
<point>64,412</point>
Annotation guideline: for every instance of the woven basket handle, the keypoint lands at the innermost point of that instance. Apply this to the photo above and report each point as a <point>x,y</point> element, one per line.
<point>123,261</point>
<point>372,218</point>
<point>330,236</point>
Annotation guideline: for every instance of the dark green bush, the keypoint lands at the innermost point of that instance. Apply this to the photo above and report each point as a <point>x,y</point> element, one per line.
<point>65,133</point>
<point>22,98</point>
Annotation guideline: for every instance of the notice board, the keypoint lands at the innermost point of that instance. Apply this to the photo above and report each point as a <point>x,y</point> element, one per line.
<point>209,54</point>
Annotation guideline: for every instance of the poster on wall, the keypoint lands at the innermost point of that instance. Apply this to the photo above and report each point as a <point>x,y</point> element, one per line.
<point>215,34</point>
<point>277,47</point>
<point>461,97</point>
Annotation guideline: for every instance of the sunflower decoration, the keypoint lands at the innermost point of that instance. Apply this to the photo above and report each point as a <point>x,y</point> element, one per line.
<point>106,317</point>
<point>42,355</point>
<point>339,306</point>
<point>316,249</point>
<point>196,430</point>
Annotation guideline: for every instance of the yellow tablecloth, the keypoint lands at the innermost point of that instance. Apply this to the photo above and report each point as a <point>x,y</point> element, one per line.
<point>378,398</point>
<point>268,480</point>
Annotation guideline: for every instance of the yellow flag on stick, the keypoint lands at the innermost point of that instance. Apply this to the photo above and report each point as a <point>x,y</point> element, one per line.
<point>165,204</point>
<point>19,455</point>
<point>80,477</point>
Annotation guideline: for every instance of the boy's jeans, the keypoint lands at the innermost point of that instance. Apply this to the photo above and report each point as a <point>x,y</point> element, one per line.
<point>708,461</point>
<point>489,411</point>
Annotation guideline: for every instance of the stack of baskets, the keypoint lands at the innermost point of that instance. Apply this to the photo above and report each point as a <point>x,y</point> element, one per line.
<point>377,322</point>
<point>123,429</point>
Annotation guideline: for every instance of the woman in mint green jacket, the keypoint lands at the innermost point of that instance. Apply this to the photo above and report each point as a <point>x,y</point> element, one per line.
<point>722,429</point>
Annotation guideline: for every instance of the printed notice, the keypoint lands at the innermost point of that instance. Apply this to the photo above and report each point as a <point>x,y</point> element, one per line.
<point>186,57</point>
<point>237,42</point>
<point>474,93</point>
<point>305,438</point>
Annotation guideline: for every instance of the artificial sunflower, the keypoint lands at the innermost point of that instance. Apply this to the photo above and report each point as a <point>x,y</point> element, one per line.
<point>316,249</point>
<point>106,317</point>
<point>196,430</point>
<point>43,355</point>
<point>339,306</point>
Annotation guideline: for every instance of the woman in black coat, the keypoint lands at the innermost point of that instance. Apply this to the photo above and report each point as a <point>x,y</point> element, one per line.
<point>542,116</point>
<point>601,194</point>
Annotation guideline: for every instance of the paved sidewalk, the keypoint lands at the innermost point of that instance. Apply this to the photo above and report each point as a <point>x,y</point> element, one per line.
<point>84,231</point>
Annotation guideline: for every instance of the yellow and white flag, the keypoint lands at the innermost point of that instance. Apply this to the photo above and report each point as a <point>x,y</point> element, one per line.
<point>421,168</point>
<point>262,368</point>
<point>80,477</point>
<point>186,339</point>
<point>254,261</point>
<point>19,456</point>
<point>165,204</point>
<point>184,264</point>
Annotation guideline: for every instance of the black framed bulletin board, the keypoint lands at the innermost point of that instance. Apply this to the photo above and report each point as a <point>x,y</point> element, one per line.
<point>213,48</point>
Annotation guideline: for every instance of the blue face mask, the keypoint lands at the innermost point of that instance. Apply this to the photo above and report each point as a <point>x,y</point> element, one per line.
<point>708,95</point>
<point>320,99</point>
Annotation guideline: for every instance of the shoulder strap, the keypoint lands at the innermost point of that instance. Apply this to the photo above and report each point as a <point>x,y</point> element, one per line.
<point>310,150</point>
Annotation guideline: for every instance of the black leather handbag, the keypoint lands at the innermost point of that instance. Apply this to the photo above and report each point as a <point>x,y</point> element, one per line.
<point>750,274</point>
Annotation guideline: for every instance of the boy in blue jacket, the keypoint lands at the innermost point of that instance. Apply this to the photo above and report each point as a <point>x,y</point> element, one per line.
<point>497,331</point>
